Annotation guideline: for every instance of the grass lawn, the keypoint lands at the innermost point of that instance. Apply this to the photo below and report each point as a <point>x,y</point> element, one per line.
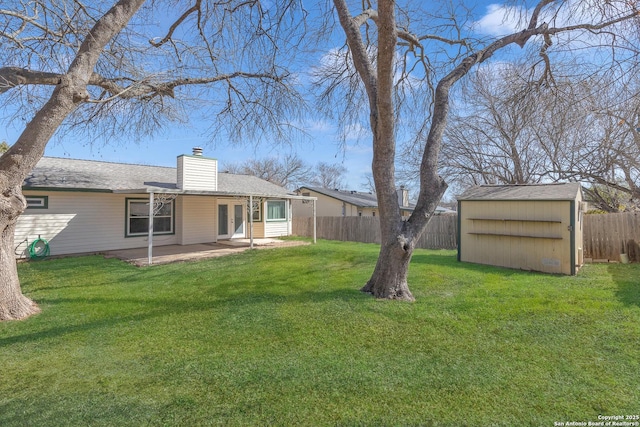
<point>284,337</point>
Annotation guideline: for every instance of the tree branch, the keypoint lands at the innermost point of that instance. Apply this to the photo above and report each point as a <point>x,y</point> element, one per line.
<point>358,50</point>
<point>11,77</point>
<point>175,25</point>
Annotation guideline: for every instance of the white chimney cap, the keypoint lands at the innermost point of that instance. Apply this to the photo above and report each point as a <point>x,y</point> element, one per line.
<point>197,151</point>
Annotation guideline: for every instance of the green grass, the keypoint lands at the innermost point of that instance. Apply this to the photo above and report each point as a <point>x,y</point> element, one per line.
<point>284,337</point>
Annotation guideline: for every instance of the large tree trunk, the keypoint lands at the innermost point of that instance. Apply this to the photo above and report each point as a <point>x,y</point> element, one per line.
<point>399,239</point>
<point>22,157</point>
<point>389,278</point>
<point>13,305</point>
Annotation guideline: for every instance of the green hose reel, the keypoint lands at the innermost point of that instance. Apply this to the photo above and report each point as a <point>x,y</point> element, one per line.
<point>39,249</point>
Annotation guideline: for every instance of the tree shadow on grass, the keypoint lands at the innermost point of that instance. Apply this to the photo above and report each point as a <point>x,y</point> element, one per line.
<point>627,279</point>
<point>130,310</point>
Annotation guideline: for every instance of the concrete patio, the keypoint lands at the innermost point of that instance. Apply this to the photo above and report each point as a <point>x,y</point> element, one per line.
<point>179,253</point>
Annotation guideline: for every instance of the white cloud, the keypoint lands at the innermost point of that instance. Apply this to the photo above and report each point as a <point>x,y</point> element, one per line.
<point>500,20</point>
<point>321,126</point>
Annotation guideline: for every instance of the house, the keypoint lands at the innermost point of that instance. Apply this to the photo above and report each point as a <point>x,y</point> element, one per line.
<point>350,203</point>
<point>529,227</point>
<point>82,206</point>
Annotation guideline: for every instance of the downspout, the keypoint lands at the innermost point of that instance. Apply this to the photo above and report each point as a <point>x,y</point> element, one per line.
<point>150,239</point>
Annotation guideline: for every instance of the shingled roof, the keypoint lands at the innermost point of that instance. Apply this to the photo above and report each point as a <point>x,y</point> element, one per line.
<point>359,199</point>
<point>91,175</point>
<point>556,191</point>
<point>356,198</point>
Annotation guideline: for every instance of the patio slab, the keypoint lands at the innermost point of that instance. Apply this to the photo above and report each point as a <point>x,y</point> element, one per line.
<point>180,253</point>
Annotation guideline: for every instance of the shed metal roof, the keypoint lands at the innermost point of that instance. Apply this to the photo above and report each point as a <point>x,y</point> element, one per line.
<point>555,191</point>
<point>91,175</point>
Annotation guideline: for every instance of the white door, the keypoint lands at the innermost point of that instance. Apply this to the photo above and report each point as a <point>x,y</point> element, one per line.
<point>237,222</point>
<point>230,221</point>
<point>223,222</point>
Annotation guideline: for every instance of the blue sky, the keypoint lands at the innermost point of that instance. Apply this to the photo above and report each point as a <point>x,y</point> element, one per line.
<point>321,146</point>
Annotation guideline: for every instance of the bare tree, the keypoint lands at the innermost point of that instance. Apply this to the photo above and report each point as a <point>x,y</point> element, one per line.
<point>391,56</point>
<point>368,183</point>
<point>90,69</point>
<point>327,175</point>
<point>494,144</point>
<point>289,171</point>
<point>610,162</point>
<point>580,128</point>
<point>292,172</point>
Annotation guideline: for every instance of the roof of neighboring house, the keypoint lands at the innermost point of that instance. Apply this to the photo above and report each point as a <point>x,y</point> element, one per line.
<point>556,191</point>
<point>91,175</point>
<point>356,198</point>
<point>363,200</point>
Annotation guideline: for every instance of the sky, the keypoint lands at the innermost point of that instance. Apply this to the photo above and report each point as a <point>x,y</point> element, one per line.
<point>321,146</point>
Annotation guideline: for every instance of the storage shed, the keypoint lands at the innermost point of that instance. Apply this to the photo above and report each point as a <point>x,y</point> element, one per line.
<point>530,227</point>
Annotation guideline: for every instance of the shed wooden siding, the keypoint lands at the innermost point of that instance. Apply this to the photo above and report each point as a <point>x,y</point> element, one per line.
<point>529,235</point>
<point>197,173</point>
<point>77,222</point>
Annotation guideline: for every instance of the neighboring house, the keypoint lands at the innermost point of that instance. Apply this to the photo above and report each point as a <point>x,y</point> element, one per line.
<point>82,206</point>
<point>349,203</point>
<point>529,227</point>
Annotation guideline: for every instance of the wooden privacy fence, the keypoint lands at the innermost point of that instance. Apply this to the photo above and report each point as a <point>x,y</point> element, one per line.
<point>441,233</point>
<point>608,235</point>
<point>605,236</point>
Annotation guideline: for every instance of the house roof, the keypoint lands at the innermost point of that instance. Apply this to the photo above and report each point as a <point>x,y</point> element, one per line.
<point>363,200</point>
<point>356,198</point>
<point>556,191</point>
<point>91,175</point>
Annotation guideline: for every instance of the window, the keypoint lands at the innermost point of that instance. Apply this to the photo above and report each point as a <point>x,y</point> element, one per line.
<point>138,218</point>
<point>257,211</point>
<point>276,210</point>
<point>37,202</point>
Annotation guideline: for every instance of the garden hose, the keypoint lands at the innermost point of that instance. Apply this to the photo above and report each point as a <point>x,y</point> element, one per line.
<point>39,249</point>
